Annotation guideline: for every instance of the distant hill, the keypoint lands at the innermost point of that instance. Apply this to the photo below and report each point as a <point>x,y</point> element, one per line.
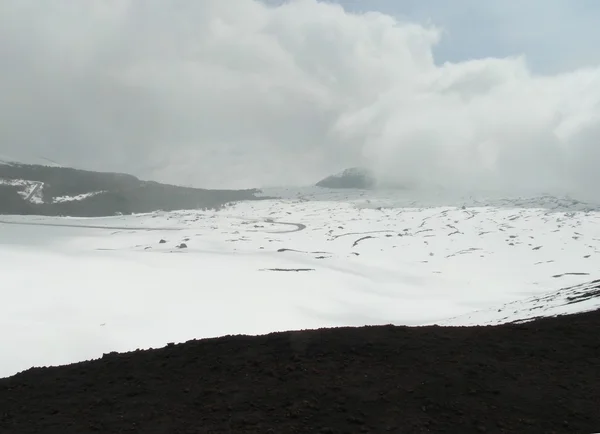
<point>55,190</point>
<point>354,177</point>
<point>6,159</point>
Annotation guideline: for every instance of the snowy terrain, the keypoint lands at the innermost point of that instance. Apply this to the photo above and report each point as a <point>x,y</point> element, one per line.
<point>32,191</point>
<point>29,190</point>
<point>75,288</point>
<point>61,199</point>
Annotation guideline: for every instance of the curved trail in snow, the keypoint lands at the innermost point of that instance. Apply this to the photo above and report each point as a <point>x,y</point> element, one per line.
<point>298,226</point>
<point>120,228</point>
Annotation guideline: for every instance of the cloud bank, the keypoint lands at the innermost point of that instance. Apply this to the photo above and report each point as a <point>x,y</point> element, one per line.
<point>238,93</point>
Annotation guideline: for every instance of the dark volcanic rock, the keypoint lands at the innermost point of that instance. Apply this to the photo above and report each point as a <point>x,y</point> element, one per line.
<point>354,177</point>
<point>539,377</point>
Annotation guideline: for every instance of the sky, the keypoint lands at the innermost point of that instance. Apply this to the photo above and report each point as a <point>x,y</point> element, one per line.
<point>555,35</point>
<point>244,93</point>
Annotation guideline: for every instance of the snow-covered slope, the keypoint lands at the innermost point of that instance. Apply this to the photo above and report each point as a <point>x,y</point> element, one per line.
<point>61,199</point>
<point>75,288</point>
<point>29,190</point>
<point>574,299</point>
<point>32,191</point>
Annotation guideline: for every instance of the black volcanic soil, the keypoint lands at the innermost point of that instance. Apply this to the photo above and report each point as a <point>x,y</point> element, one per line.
<point>541,377</point>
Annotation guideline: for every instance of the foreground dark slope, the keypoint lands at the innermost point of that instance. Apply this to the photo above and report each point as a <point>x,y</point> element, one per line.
<point>541,377</point>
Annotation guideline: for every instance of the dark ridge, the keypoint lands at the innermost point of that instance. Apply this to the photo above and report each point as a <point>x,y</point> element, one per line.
<point>539,377</point>
<point>354,177</point>
<point>121,193</point>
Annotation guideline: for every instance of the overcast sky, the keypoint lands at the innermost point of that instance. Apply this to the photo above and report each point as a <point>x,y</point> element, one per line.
<point>242,93</point>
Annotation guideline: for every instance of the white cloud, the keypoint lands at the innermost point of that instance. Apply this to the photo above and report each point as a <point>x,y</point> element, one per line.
<point>235,93</point>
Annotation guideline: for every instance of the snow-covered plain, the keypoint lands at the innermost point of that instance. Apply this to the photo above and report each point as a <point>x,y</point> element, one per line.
<point>76,288</point>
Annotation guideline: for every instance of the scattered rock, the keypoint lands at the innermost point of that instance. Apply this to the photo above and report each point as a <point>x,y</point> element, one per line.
<point>361,239</point>
<point>570,274</point>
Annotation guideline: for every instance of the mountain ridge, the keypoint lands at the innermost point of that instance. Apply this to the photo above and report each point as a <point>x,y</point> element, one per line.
<point>55,190</point>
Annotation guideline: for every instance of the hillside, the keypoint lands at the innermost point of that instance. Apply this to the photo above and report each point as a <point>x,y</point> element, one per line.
<point>54,191</point>
<point>540,377</point>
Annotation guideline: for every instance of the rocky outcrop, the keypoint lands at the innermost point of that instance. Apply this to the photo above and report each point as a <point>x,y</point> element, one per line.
<point>354,177</point>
